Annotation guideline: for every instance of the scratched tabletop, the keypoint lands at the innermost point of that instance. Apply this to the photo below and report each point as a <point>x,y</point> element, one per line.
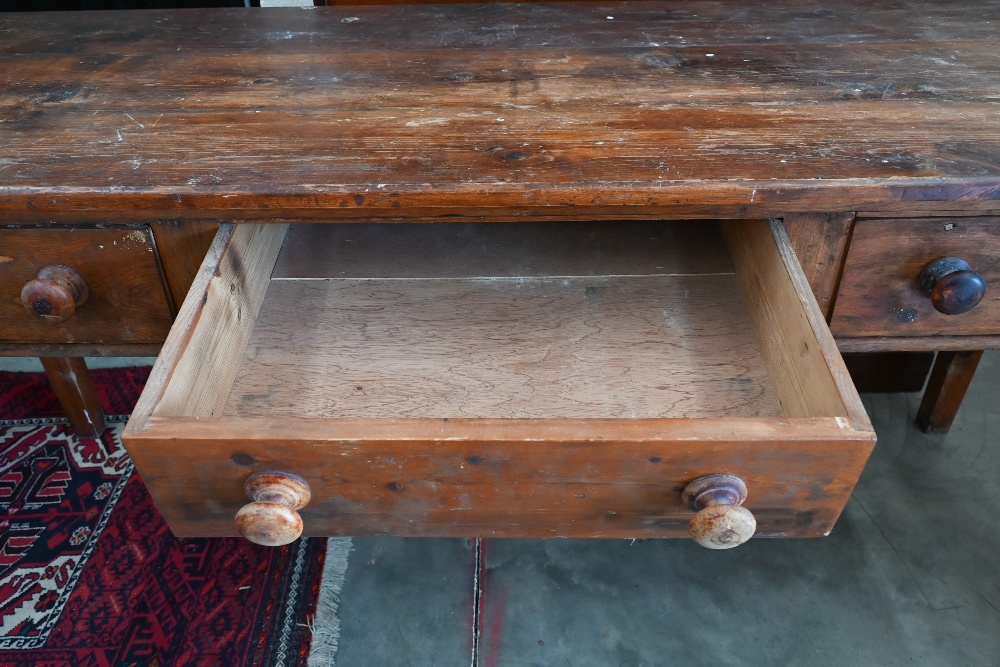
<point>502,110</point>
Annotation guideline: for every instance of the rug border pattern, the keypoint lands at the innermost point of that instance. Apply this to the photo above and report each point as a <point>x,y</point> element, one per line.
<point>39,640</point>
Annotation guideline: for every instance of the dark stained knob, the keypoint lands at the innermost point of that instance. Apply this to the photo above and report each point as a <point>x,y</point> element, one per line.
<point>954,288</point>
<point>721,521</point>
<point>271,519</point>
<point>55,293</point>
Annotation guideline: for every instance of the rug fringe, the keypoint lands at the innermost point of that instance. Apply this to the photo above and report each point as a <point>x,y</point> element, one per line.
<point>326,624</point>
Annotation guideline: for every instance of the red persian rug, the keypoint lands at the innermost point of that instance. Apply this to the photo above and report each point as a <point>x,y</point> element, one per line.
<point>91,576</point>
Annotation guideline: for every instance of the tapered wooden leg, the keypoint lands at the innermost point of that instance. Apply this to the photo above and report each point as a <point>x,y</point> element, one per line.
<point>946,388</point>
<point>71,381</point>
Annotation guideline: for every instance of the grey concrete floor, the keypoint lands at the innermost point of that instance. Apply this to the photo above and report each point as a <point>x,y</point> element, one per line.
<point>910,576</point>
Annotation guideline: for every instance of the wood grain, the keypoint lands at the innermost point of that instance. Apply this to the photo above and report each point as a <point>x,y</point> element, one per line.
<point>879,294</point>
<point>950,379</point>
<point>70,381</point>
<point>820,241</point>
<point>502,478</point>
<point>425,111</point>
<point>802,359</point>
<point>54,294</point>
<point>626,347</point>
<point>127,303</point>
<point>503,320</point>
<point>458,476</point>
<point>917,344</point>
<point>181,246</point>
<point>195,370</point>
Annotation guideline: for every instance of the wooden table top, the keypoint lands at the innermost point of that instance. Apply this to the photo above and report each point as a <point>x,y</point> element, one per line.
<point>462,111</point>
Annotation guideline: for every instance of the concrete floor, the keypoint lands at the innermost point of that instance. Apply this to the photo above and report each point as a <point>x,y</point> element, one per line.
<point>910,575</point>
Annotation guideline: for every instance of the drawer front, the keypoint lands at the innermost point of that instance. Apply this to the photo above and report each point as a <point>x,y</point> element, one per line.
<point>879,293</point>
<point>125,303</point>
<point>453,478</point>
<point>420,398</point>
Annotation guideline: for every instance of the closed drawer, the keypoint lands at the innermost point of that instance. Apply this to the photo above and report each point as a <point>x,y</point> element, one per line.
<point>509,380</point>
<point>125,297</point>
<point>879,293</point>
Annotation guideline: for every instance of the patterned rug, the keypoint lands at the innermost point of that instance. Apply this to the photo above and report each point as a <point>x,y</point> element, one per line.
<point>90,574</point>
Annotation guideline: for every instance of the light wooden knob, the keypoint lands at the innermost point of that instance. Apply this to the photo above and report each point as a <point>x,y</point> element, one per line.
<point>953,287</point>
<point>271,519</point>
<point>721,522</point>
<point>55,293</point>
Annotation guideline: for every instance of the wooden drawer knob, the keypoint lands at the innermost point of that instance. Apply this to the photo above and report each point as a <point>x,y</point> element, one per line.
<point>721,522</point>
<point>952,285</point>
<point>271,519</point>
<point>55,293</point>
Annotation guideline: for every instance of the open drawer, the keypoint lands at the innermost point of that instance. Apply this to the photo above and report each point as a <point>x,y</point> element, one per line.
<point>508,380</point>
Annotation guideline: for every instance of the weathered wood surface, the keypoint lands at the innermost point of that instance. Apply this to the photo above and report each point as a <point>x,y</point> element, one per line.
<point>195,369</point>
<point>917,344</point>
<point>500,477</point>
<point>461,476</point>
<point>677,109</point>
<point>950,379</point>
<point>70,381</point>
<point>633,320</point>
<point>181,246</point>
<point>808,373</point>
<point>879,295</point>
<point>820,241</point>
<point>127,302</point>
<point>633,347</point>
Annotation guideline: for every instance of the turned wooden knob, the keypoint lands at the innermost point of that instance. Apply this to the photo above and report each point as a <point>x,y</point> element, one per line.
<point>55,293</point>
<point>954,288</point>
<point>721,522</point>
<point>271,519</point>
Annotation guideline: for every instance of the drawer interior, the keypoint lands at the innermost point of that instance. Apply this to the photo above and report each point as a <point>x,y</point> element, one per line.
<point>452,379</point>
<point>493,320</point>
